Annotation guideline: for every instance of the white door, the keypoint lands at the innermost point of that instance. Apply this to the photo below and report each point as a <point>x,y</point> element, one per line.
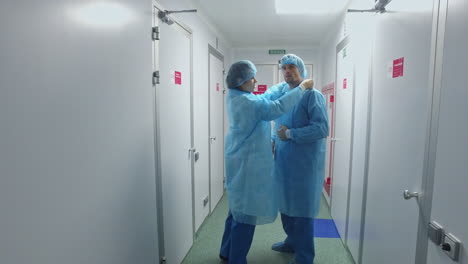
<point>216,131</point>
<point>174,134</point>
<point>398,130</point>
<point>450,196</point>
<point>342,137</point>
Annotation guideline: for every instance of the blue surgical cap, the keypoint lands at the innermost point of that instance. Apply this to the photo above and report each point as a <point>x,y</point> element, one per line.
<point>293,59</point>
<point>239,73</point>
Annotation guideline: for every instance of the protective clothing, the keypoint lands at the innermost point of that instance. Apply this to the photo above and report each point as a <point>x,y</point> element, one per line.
<point>293,59</point>
<point>237,239</point>
<point>282,247</point>
<point>300,231</point>
<point>239,73</point>
<point>249,163</point>
<point>300,161</point>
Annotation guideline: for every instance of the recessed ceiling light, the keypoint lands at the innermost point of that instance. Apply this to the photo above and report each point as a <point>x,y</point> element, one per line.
<point>102,14</point>
<point>309,6</point>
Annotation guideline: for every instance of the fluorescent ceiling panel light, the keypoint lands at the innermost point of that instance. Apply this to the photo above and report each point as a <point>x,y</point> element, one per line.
<point>291,7</point>
<point>103,14</point>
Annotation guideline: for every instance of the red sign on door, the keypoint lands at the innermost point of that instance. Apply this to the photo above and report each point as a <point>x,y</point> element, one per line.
<point>332,98</point>
<point>262,87</point>
<point>345,83</point>
<point>178,77</point>
<point>217,87</point>
<point>398,67</point>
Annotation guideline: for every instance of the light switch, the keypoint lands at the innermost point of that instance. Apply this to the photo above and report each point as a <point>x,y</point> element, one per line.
<point>435,232</point>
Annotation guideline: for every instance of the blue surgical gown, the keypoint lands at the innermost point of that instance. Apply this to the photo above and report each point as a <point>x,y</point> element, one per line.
<point>300,161</point>
<point>249,161</point>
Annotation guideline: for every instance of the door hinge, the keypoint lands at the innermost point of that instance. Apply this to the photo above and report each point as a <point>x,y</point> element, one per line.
<point>155,34</point>
<point>162,260</point>
<point>155,77</point>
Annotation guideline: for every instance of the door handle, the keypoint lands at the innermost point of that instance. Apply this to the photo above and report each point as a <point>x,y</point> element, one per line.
<point>190,151</point>
<point>408,195</point>
<point>334,139</point>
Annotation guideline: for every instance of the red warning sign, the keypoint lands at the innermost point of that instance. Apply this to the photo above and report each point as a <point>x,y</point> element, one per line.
<point>262,87</point>
<point>332,98</point>
<point>398,67</point>
<point>345,83</point>
<point>217,87</point>
<point>178,77</point>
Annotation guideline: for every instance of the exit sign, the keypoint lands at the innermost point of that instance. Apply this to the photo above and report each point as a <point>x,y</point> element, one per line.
<point>277,51</point>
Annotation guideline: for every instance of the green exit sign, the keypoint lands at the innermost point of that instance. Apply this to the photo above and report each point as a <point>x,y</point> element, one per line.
<point>277,51</point>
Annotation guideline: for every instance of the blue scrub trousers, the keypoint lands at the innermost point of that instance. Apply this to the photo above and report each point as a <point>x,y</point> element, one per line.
<point>237,240</point>
<point>300,237</point>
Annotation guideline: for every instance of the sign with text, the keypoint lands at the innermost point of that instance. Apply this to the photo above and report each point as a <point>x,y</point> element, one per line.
<point>345,83</point>
<point>262,87</point>
<point>398,67</point>
<point>276,51</point>
<point>178,77</point>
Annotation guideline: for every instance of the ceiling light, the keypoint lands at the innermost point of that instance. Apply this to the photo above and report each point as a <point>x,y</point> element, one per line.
<point>103,14</point>
<point>309,6</point>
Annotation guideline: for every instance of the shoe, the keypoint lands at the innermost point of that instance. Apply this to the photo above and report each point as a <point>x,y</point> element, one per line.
<point>223,258</point>
<point>282,247</point>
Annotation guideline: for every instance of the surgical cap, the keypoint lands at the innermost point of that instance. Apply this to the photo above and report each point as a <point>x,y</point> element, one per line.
<point>293,59</point>
<point>239,73</point>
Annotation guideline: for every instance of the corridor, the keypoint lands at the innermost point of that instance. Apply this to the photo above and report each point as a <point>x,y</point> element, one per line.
<point>329,248</point>
<point>116,119</point>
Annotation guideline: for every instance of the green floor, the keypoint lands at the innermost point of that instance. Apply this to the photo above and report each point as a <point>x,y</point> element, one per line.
<point>205,249</point>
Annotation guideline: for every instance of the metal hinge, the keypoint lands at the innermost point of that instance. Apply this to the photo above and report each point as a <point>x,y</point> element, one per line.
<point>155,34</point>
<point>162,260</point>
<point>155,77</point>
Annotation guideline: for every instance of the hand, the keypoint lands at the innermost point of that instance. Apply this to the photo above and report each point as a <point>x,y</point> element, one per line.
<point>282,132</point>
<point>307,84</point>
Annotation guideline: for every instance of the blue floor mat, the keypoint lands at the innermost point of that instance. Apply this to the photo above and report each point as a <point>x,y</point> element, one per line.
<point>325,228</point>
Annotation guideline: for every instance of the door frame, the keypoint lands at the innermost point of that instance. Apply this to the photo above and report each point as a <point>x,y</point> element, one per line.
<point>157,143</point>
<point>439,19</point>
<point>217,54</point>
<point>341,45</point>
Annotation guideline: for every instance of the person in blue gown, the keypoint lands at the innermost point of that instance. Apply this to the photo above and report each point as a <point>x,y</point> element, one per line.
<point>250,184</point>
<point>299,150</point>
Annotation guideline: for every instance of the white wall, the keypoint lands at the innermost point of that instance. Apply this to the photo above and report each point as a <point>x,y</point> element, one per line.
<point>204,34</point>
<point>361,31</point>
<point>327,53</point>
<point>77,180</point>
<point>309,55</point>
<point>450,152</point>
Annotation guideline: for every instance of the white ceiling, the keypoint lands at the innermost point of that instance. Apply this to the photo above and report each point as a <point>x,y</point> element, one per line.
<point>254,23</point>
